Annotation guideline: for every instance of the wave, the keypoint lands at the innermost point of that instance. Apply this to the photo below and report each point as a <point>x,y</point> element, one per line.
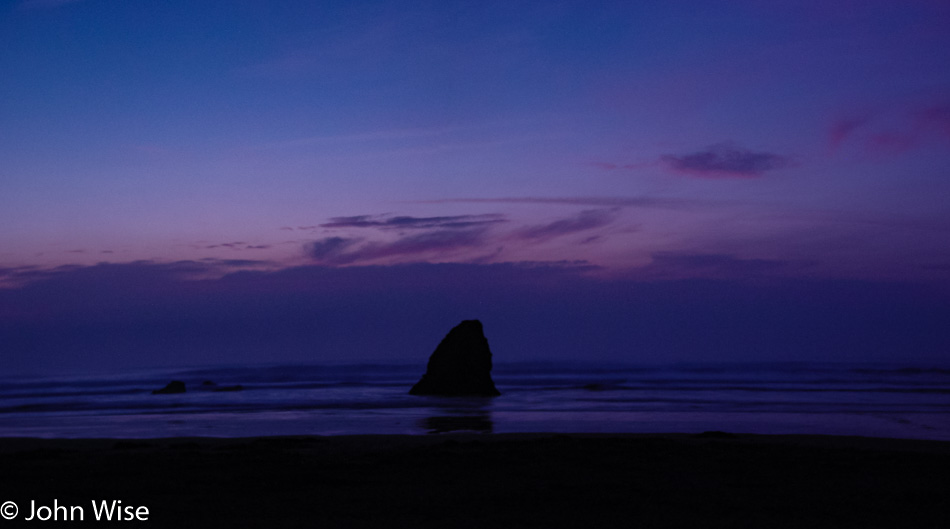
<point>371,398</point>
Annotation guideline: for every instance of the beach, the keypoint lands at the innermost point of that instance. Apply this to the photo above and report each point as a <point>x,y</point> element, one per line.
<point>713,479</point>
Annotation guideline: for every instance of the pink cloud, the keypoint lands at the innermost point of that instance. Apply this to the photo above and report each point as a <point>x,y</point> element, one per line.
<point>842,129</point>
<point>892,132</point>
<point>583,221</point>
<point>422,239</point>
<point>935,118</point>
<point>641,202</point>
<point>892,143</point>
<point>407,222</point>
<point>417,247</point>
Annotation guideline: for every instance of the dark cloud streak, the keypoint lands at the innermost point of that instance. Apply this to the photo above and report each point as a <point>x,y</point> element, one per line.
<point>330,249</point>
<point>648,202</point>
<point>583,221</point>
<point>343,251</point>
<point>407,222</point>
<point>726,160</point>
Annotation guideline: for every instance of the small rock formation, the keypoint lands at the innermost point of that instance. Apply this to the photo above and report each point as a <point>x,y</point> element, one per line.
<point>175,386</point>
<point>460,365</point>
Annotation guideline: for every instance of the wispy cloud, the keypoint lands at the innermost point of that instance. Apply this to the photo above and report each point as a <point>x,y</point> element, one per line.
<point>12,273</point>
<point>583,221</point>
<point>385,239</point>
<point>651,202</point>
<point>893,131</point>
<point>892,143</point>
<point>725,160</point>
<point>431,244</point>
<point>843,128</point>
<point>407,222</point>
<point>330,249</point>
<point>208,268</point>
<point>401,238</point>
<point>935,117</point>
<point>234,245</point>
<point>434,241</point>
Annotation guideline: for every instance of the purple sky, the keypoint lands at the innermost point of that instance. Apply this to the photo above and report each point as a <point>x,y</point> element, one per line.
<point>554,149</point>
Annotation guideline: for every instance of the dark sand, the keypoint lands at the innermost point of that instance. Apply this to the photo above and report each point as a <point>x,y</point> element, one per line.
<point>491,481</point>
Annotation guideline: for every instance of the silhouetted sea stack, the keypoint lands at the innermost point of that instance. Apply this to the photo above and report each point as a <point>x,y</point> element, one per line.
<point>460,365</point>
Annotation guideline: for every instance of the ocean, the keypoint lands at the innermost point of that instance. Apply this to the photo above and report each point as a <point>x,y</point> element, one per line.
<point>900,401</point>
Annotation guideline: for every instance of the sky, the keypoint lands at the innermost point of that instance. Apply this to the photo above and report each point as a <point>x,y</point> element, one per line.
<point>191,182</point>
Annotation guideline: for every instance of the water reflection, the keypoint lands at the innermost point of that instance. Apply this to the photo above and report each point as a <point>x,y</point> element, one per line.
<point>459,415</point>
<point>458,423</point>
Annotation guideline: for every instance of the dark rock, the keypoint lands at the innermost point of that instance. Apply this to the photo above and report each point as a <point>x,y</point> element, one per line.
<point>208,384</point>
<point>175,386</point>
<point>461,365</point>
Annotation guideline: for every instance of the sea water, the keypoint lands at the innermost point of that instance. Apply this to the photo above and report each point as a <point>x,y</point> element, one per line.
<point>901,401</point>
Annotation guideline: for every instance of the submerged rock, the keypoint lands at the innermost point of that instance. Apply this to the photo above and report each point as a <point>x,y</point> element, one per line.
<point>460,365</point>
<point>175,386</point>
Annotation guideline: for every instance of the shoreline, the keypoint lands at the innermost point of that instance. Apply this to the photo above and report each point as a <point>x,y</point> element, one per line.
<point>12,443</point>
<point>713,479</point>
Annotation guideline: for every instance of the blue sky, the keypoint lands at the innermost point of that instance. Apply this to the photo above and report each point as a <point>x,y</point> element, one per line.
<point>635,142</point>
